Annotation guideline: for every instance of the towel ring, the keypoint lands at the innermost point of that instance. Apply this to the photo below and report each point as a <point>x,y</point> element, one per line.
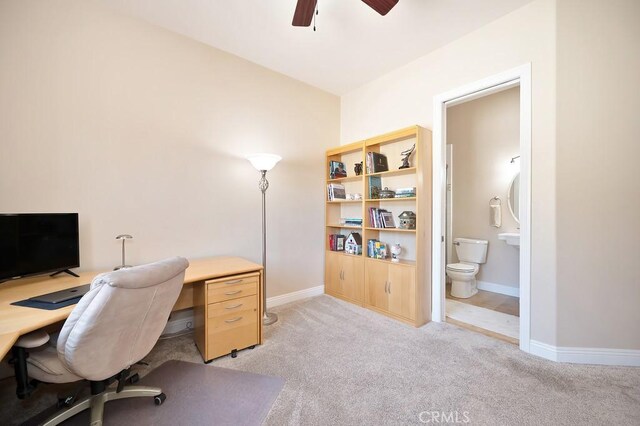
<point>499,201</point>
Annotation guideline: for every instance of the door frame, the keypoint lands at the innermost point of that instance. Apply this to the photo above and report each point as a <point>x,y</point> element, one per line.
<point>519,76</point>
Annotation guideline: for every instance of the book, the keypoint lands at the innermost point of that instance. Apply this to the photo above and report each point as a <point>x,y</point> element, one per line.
<point>371,244</point>
<point>376,218</point>
<point>387,220</point>
<point>336,191</point>
<point>350,221</point>
<point>337,169</point>
<point>376,162</point>
<point>375,185</point>
<point>406,192</point>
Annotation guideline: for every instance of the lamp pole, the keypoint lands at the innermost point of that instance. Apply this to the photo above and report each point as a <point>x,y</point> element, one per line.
<point>267,318</point>
<point>263,163</point>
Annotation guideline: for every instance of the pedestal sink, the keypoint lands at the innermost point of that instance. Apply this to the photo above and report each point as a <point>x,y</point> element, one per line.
<point>511,238</point>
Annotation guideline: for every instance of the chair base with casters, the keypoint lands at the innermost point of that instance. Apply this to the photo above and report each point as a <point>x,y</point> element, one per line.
<point>101,391</point>
<point>100,394</point>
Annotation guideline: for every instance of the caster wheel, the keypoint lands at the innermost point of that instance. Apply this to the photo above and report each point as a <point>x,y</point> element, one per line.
<point>134,379</point>
<point>158,400</point>
<point>252,346</point>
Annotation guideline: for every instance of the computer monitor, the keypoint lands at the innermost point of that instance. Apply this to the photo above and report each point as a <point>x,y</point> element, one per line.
<point>38,243</point>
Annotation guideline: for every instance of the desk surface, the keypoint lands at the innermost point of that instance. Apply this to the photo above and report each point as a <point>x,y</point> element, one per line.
<point>18,320</point>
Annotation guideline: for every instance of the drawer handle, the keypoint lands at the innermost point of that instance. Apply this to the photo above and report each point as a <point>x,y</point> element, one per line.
<point>233,320</point>
<point>234,306</point>
<point>231,293</point>
<point>233,282</point>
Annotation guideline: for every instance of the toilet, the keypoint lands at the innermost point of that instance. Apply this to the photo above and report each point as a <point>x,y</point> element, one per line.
<point>471,253</point>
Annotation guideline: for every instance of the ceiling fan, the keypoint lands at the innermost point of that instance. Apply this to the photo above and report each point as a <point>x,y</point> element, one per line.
<point>303,15</point>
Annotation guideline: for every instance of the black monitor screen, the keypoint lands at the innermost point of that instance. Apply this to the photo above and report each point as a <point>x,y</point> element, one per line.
<point>37,243</point>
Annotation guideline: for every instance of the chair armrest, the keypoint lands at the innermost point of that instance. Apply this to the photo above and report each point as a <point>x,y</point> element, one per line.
<point>32,340</point>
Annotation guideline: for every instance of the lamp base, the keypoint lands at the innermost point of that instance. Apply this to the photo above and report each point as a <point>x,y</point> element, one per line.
<point>269,318</point>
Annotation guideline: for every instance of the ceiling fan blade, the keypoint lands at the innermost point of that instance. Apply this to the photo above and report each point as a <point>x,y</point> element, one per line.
<point>304,13</point>
<point>381,6</point>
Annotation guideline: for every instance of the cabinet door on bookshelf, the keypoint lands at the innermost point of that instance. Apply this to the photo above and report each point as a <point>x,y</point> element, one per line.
<point>333,273</point>
<point>402,290</point>
<point>376,280</point>
<point>353,277</point>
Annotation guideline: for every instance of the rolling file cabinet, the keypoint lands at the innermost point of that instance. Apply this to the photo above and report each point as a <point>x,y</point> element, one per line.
<point>227,314</point>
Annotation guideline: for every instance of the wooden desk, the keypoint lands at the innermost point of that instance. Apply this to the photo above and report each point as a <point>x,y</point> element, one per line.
<point>18,320</point>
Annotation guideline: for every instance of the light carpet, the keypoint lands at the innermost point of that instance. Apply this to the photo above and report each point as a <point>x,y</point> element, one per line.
<point>498,322</point>
<point>345,365</point>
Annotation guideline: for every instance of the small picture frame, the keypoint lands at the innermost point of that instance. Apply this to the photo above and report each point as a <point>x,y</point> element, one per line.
<point>340,240</point>
<point>337,170</point>
<point>387,220</point>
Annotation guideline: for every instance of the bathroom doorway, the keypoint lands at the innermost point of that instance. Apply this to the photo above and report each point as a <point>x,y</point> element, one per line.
<point>482,269</point>
<point>484,191</point>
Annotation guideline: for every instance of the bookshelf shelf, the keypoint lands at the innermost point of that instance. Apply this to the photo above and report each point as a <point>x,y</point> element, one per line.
<point>401,290</point>
<point>399,262</point>
<point>384,200</point>
<point>398,172</point>
<point>342,253</point>
<point>333,225</point>
<point>346,179</point>
<point>370,228</point>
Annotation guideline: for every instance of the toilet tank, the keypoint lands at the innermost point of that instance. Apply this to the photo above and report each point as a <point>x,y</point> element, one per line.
<point>469,250</point>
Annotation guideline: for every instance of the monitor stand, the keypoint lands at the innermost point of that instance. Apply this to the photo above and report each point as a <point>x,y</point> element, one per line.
<point>65,271</point>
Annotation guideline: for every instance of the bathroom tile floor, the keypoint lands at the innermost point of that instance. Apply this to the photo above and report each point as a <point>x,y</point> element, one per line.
<point>494,301</point>
<point>485,299</point>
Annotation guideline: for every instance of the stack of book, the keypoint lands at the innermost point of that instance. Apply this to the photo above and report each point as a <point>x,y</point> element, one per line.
<point>376,249</point>
<point>375,186</point>
<point>335,191</point>
<point>376,162</point>
<point>336,242</point>
<point>381,218</point>
<point>406,192</point>
<point>350,221</point>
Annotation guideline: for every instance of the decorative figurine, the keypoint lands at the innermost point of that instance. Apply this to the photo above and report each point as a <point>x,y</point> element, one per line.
<point>358,168</point>
<point>123,237</point>
<point>407,220</point>
<point>407,153</point>
<point>396,250</point>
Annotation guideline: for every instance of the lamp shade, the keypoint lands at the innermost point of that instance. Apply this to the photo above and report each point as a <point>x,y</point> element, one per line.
<point>264,161</point>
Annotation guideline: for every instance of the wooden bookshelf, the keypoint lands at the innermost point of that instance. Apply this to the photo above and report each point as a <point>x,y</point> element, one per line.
<point>402,289</point>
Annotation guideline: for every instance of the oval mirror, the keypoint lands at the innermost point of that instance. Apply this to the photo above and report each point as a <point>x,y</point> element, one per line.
<point>514,197</point>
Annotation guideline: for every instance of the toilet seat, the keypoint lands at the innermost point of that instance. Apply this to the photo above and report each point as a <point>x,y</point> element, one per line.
<point>461,267</point>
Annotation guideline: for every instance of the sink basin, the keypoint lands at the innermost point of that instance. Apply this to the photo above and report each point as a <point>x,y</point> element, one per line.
<point>510,238</point>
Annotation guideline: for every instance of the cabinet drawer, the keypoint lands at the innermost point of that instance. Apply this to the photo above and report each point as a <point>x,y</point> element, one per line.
<point>233,321</point>
<point>234,306</point>
<point>232,289</point>
<point>229,329</point>
<point>224,341</point>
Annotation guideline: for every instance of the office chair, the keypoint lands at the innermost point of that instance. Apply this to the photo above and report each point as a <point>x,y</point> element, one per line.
<point>112,327</point>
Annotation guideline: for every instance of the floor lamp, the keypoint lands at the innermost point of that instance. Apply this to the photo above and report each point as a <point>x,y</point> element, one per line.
<point>263,163</point>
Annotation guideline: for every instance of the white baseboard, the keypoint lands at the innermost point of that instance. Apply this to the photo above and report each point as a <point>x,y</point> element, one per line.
<point>499,288</point>
<point>601,356</point>
<point>296,295</point>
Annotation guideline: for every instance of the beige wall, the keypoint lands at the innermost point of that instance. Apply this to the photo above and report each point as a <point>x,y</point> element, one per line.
<point>405,97</point>
<point>143,131</point>
<point>598,178</point>
<point>485,134</point>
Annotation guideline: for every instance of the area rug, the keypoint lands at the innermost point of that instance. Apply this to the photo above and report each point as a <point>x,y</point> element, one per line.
<point>197,394</point>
